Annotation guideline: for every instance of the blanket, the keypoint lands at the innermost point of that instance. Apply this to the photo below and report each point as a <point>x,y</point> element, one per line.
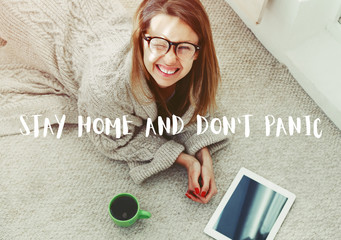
<point>43,53</point>
<point>60,188</point>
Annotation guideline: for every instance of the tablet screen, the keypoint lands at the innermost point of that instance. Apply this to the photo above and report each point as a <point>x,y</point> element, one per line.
<point>252,208</point>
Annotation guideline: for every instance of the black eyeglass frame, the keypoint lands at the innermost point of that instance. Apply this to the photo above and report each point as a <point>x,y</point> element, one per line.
<point>170,44</point>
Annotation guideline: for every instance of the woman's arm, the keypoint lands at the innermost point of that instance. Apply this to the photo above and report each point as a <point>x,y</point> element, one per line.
<point>193,168</point>
<point>199,168</point>
<point>209,188</point>
<point>104,93</point>
<point>194,142</point>
<point>200,147</point>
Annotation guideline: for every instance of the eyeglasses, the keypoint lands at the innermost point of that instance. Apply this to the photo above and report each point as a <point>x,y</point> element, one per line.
<point>183,50</point>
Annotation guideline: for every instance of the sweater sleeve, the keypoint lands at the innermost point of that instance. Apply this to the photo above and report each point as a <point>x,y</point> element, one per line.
<point>104,94</point>
<point>193,142</point>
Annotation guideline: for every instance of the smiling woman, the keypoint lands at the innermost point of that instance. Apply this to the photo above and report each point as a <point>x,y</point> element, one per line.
<point>166,67</point>
<point>173,52</point>
<point>177,23</point>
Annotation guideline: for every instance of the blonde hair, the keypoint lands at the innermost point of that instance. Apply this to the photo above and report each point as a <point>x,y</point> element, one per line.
<point>202,81</point>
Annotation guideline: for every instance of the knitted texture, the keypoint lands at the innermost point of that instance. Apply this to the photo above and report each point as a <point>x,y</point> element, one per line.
<point>76,55</point>
<point>60,188</point>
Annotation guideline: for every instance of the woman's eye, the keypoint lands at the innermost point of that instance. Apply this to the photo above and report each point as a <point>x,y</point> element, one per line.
<point>184,47</point>
<point>160,45</point>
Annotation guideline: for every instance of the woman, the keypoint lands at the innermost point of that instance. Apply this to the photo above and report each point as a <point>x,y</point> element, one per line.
<point>187,70</point>
<point>169,69</point>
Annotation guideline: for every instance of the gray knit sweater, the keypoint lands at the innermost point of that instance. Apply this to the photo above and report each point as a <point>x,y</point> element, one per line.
<point>84,47</point>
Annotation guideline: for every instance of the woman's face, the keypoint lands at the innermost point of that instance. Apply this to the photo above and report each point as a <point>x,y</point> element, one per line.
<point>167,69</point>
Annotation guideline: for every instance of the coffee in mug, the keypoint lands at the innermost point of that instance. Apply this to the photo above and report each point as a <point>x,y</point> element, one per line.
<point>124,210</point>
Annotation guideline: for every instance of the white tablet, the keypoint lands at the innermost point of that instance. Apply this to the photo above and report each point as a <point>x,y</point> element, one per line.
<point>253,208</point>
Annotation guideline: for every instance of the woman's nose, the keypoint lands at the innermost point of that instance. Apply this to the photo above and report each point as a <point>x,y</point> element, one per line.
<point>170,57</point>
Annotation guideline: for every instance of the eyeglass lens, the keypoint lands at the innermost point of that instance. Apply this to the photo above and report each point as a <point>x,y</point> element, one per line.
<point>184,51</point>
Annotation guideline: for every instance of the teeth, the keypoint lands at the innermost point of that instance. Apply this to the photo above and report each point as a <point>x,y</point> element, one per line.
<point>166,71</point>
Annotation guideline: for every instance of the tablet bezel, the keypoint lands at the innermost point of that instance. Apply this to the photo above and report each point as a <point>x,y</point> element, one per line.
<point>245,172</point>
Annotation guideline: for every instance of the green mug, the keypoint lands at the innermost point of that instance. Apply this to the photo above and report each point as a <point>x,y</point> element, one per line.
<point>124,209</point>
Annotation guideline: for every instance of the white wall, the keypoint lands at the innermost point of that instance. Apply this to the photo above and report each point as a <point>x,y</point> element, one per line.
<point>305,35</point>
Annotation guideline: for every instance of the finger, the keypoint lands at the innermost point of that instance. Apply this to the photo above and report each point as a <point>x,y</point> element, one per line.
<point>192,196</point>
<point>206,180</point>
<point>197,197</point>
<point>212,191</point>
<point>193,181</point>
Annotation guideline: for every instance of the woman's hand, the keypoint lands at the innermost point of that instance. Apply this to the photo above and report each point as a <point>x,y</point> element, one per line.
<point>199,168</point>
<point>209,188</point>
<point>193,168</point>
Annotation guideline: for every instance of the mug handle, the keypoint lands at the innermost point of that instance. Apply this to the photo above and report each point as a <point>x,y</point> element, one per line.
<point>144,214</point>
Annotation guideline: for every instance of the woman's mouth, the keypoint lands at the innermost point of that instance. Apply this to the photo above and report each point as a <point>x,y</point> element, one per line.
<point>167,71</point>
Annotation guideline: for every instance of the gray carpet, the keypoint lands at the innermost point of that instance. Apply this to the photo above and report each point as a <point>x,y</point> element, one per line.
<point>60,188</point>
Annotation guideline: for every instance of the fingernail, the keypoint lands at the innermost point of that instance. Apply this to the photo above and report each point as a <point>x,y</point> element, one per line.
<point>203,194</point>
<point>187,195</point>
<point>197,190</point>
